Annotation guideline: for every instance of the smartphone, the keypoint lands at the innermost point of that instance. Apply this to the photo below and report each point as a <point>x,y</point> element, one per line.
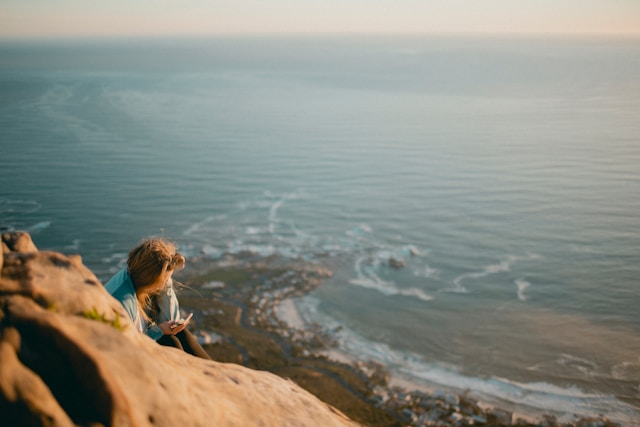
<point>182,321</point>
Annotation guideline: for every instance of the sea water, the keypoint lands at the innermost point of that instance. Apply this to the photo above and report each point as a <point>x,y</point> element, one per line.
<point>477,198</point>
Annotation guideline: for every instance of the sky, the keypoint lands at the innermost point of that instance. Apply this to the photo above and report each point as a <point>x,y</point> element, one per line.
<point>91,18</point>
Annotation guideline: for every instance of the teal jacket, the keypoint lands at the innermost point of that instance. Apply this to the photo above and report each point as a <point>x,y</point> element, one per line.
<point>121,288</point>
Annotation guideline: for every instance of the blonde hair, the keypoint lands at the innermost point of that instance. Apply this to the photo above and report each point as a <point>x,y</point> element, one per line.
<point>149,260</point>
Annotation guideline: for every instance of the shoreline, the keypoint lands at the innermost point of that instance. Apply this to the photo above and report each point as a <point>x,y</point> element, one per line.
<point>245,313</point>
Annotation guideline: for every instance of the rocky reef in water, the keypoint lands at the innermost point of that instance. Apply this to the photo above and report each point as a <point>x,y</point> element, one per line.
<point>69,356</point>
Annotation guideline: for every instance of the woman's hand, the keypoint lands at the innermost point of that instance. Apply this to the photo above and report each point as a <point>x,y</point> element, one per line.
<point>171,327</point>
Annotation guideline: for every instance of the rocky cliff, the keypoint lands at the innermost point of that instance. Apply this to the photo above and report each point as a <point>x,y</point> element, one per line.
<point>69,356</point>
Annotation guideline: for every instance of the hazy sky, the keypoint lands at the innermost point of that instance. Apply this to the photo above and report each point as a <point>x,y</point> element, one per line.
<point>29,18</point>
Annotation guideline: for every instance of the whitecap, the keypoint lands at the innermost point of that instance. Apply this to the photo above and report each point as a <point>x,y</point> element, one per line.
<point>426,271</point>
<point>367,278</point>
<point>213,285</point>
<point>35,228</point>
<point>366,228</point>
<point>415,292</point>
<point>211,251</point>
<point>579,363</point>
<point>496,268</point>
<point>522,286</point>
<point>273,211</point>
<point>502,266</point>
<point>275,207</point>
<point>359,231</point>
<point>116,261</point>
<point>376,283</point>
<point>74,246</point>
<point>412,250</point>
<point>627,370</point>
<point>458,289</point>
<point>195,228</point>
<point>253,231</point>
<point>262,250</point>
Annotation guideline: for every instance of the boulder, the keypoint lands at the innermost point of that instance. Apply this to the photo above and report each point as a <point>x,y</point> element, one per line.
<point>396,263</point>
<point>18,241</point>
<point>70,356</point>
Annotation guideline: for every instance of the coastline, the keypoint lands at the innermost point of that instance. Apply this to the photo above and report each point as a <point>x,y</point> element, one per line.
<point>245,313</point>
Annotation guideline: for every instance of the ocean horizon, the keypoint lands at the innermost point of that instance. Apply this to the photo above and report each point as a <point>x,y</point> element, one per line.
<point>477,199</point>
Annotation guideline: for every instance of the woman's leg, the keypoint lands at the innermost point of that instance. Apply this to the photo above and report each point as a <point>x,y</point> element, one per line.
<point>170,341</point>
<point>191,345</point>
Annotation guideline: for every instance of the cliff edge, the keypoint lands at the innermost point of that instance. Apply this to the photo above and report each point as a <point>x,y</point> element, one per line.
<point>70,356</point>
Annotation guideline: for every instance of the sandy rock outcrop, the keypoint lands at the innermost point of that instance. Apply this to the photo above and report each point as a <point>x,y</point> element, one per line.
<point>69,356</point>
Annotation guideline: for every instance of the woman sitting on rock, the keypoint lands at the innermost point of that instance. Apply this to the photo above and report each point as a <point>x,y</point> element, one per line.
<point>145,290</point>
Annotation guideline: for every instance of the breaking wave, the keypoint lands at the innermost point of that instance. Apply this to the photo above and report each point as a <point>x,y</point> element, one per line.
<point>533,398</point>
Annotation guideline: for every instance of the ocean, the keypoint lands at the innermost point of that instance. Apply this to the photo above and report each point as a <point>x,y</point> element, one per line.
<point>477,198</point>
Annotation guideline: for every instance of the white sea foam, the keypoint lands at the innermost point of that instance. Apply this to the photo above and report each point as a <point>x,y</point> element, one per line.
<point>359,231</point>
<point>522,286</point>
<point>490,269</point>
<point>211,251</point>
<point>458,289</point>
<point>273,213</point>
<point>580,364</point>
<point>117,257</point>
<point>10,207</point>
<point>275,206</point>
<point>262,250</point>
<point>411,369</point>
<point>213,285</point>
<point>415,292</point>
<point>115,262</point>
<point>368,278</point>
<point>627,370</point>
<point>35,228</point>
<point>252,231</point>
<point>195,228</point>
<point>502,266</point>
<point>426,271</point>
<point>74,246</point>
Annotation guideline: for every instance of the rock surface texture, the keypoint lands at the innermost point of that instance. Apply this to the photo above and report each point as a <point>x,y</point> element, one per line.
<point>70,356</point>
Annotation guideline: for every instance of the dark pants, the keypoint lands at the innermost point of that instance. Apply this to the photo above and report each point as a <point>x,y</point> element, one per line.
<point>184,340</point>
